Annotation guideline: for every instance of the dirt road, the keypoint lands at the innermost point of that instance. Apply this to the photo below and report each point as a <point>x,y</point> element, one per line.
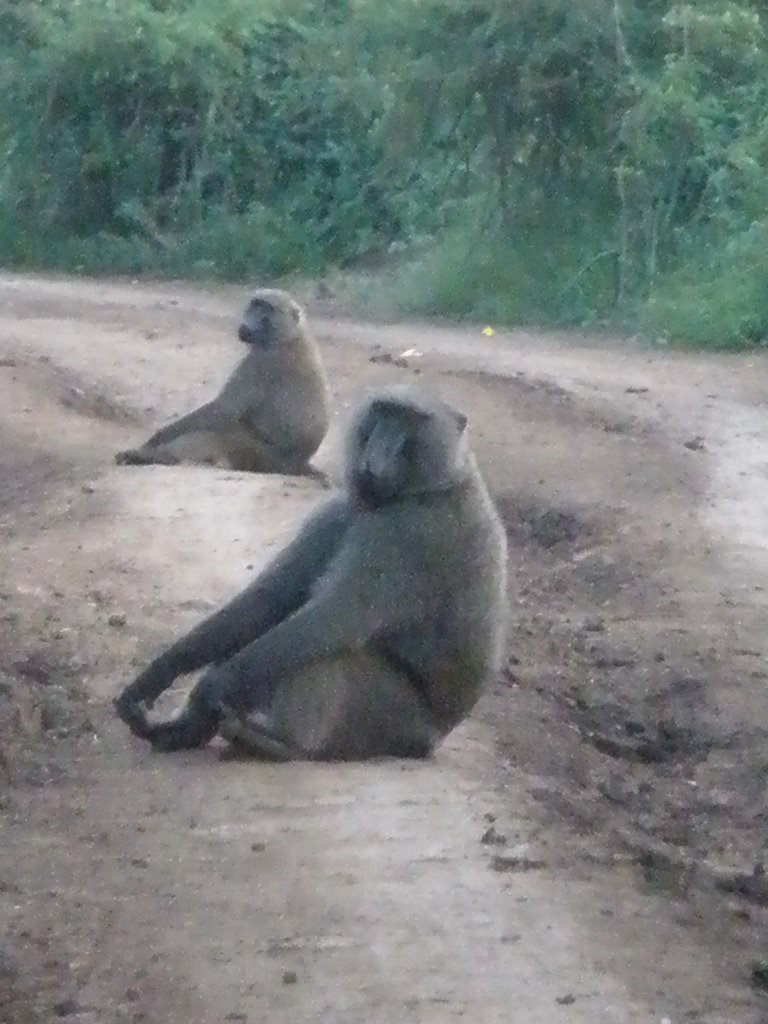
<point>540,868</point>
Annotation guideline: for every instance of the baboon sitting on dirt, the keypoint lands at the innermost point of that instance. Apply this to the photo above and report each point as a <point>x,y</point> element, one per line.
<point>271,415</point>
<point>377,628</point>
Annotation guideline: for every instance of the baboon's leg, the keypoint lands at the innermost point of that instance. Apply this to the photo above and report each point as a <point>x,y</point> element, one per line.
<point>252,454</point>
<point>316,474</point>
<point>235,448</point>
<point>348,709</point>
<point>135,457</point>
<point>200,447</point>
<point>253,738</point>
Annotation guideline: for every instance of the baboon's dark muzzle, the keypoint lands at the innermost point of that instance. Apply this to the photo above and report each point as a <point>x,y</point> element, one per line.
<point>378,476</point>
<point>373,490</point>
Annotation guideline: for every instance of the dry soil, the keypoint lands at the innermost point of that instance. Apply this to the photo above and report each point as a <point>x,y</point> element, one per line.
<point>588,848</point>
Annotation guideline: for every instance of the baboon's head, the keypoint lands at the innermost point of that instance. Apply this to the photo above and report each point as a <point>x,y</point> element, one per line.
<point>404,442</point>
<point>270,316</point>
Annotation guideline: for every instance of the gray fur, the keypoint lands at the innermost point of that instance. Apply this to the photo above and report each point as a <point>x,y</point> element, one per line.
<point>376,630</point>
<point>271,415</point>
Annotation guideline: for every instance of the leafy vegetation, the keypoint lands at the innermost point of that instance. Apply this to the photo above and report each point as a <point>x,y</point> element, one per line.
<point>545,161</point>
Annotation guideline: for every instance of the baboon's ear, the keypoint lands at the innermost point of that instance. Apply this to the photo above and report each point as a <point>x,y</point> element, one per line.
<point>461,421</point>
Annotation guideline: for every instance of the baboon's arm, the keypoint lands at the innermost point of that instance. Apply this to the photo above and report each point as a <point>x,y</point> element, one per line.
<point>278,591</point>
<point>207,417</point>
<point>355,603</point>
<point>232,403</point>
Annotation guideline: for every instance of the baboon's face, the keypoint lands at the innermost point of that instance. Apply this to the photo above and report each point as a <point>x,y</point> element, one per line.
<point>255,326</point>
<point>269,316</point>
<point>403,449</point>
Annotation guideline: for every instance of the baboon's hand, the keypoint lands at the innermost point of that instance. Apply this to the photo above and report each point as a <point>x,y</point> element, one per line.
<point>199,721</point>
<point>136,700</point>
<point>133,711</point>
<point>133,457</point>
<point>192,729</point>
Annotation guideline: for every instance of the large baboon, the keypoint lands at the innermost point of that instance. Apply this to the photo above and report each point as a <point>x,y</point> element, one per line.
<point>375,631</point>
<point>272,413</point>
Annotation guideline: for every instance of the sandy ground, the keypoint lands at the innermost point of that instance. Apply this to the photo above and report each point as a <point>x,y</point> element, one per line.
<point>566,857</point>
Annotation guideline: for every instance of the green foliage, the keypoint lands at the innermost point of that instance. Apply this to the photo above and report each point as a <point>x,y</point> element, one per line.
<point>176,123</point>
<point>720,305</point>
<point>507,270</point>
<point>542,161</point>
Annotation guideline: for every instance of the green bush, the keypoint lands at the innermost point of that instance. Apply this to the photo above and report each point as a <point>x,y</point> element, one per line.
<point>201,131</point>
<point>541,270</point>
<point>720,306</point>
<point>536,162</point>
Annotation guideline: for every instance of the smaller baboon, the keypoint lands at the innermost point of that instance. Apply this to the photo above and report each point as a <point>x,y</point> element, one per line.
<point>271,415</point>
<point>375,631</point>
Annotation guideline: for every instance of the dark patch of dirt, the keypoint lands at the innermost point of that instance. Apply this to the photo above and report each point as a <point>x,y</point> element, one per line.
<point>544,389</point>
<point>70,390</point>
<point>670,724</point>
<point>42,700</point>
<point>97,406</point>
<point>557,530</point>
<point>504,864</point>
<point>77,394</point>
<point>518,381</point>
